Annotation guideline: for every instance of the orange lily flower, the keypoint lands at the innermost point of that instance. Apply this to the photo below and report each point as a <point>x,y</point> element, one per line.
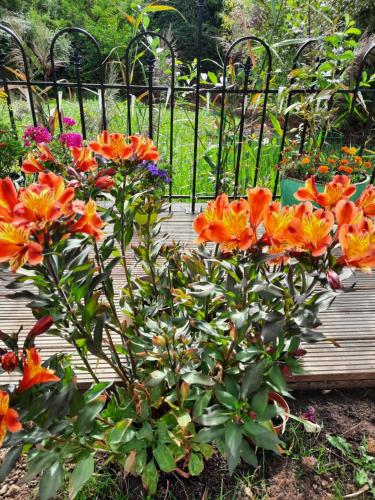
<point>9,418</point>
<point>278,224</point>
<point>308,192</point>
<point>144,148</point>
<point>16,247</point>
<point>213,211</point>
<point>259,200</point>
<point>358,245</point>
<point>83,159</point>
<point>8,199</point>
<point>366,201</point>
<point>112,146</point>
<point>31,165</point>
<point>339,188</point>
<point>33,371</point>
<point>346,212</point>
<point>43,202</point>
<point>316,228</point>
<point>90,222</point>
<point>45,154</point>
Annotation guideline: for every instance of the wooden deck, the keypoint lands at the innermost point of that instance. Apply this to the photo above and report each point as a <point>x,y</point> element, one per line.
<point>350,322</point>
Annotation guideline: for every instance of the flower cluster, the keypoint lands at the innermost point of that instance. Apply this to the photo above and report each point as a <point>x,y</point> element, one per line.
<point>296,230</point>
<point>27,215</point>
<point>69,122</point>
<point>71,140</point>
<point>36,135</point>
<point>302,166</point>
<point>153,169</point>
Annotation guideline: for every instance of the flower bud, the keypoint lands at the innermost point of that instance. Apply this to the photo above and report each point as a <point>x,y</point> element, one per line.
<point>104,182</point>
<point>9,361</point>
<point>158,340</point>
<point>333,280</point>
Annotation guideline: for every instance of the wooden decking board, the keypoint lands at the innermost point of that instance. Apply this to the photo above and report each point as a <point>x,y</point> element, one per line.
<point>350,322</point>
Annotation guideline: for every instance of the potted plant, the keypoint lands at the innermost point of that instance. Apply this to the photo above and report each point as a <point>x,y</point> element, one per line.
<point>11,151</point>
<point>295,168</point>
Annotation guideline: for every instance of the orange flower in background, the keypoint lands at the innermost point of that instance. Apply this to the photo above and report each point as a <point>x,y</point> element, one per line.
<point>344,168</point>
<point>16,247</point>
<point>358,245</point>
<point>83,159</point>
<point>367,201</point>
<point>8,199</point>
<point>367,164</point>
<point>358,160</point>
<point>305,160</point>
<point>323,169</point>
<point>339,188</point>
<point>90,222</point>
<point>9,361</point>
<point>259,200</point>
<point>31,165</point>
<point>9,418</point>
<point>349,151</point>
<point>346,212</point>
<point>308,192</point>
<point>44,202</point>
<point>343,161</point>
<point>332,161</point>
<point>112,146</point>
<point>33,371</point>
<point>144,148</point>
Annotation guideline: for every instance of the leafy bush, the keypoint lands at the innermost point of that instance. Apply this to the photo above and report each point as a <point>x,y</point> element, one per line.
<point>199,344</point>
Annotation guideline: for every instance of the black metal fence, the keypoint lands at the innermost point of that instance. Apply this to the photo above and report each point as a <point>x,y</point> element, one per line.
<point>197,96</point>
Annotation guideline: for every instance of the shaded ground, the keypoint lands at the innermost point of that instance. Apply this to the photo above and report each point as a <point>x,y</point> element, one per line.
<point>313,468</point>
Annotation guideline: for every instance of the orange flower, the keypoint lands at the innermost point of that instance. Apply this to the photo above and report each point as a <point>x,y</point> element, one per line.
<point>323,169</point>
<point>305,160</point>
<point>334,191</point>
<point>83,159</point>
<point>281,227</point>
<point>343,161</point>
<point>349,151</point>
<point>308,192</point>
<point>358,245</point>
<point>9,418</point>
<point>43,202</point>
<point>332,161</point>
<point>31,165</point>
<point>367,164</point>
<point>8,199</point>
<point>358,160</point>
<point>90,222</point>
<point>226,224</point>
<point>143,148</point>
<point>45,154</point>
<point>316,228</point>
<point>344,168</point>
<point>259,200</point>
<point>112,146</point>
<point>16,247</point>
<point>33,371</point>
<point>104,182</point>
<point>346,212</point>
<point>367,201</point>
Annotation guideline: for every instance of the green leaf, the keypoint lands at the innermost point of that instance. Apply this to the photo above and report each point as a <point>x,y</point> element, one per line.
<point>206,450</point>
<point>9,461</point>
<point>150,477</point>
<point>278,379</point>
<point>196,464</point>
<point>198,378</point>
<point>248,454</point>
<point>341,444</point>
<point>233,438</point>
<point>261,436</point>
<point>210,434</point>
<point>118,432</point>
<point>51,481</point>
<point>164,458</point>
<point>259,401</point>
<point>249,353</point>
<point>201,403</point>
<point>81,474</point>
<point>156,377</point>
<point>252,379</point>
<point>140,461</point>
<point>87,416</point>
<point>96,390</point>
<point>226,399</point>
<point>213,418</point>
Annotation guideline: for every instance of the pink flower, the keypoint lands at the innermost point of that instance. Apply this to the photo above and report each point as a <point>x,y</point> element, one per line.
<point>71,140</point>
<point>69,122</point>
<point>39,135</point>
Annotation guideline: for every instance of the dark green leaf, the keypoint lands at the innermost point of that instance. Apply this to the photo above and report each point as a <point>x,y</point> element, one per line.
<point>164,458</point>
<point>233,438</point>
<point>201,403</point>
<point>51,481</point>
<point>259,401</point>
<point>196,464</point>
<point>81,474</point>
<point>226,399</point>
<point>248,454</point>
<point>252,378</point>
<point>9,461</point>
<point>210,434</point>
<point>150,477</point>
<point>198,378</point>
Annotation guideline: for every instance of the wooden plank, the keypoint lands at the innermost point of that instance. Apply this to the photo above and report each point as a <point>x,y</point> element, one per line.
<point>350,321</point>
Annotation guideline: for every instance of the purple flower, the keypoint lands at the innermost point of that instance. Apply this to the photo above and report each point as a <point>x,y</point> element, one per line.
<point>69,122</point>
<point>37,134</point>
<point>310,414</point>
<point>71,140</point>
<point>156,172</point>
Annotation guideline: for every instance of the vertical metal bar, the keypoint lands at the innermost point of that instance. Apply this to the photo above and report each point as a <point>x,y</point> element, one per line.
<point>171,126</point>
<point>6,90</point>
<point>102,95</point>
<point>247,69</point>
<point>150,76</point>
<point>77,60</point>
<point>264,110</point>
<point>221,128</point>
<point>200,4</point>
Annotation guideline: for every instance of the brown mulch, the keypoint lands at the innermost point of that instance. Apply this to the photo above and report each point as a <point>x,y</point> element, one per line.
<point>350,414</point>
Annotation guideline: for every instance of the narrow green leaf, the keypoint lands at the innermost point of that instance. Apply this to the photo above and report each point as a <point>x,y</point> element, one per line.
<point>150,477</point>
<point>233,438</point>
<point>81,474</point>
<point>51,481</point>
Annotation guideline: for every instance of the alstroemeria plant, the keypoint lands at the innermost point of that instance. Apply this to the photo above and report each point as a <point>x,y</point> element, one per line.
<point>199,343</point>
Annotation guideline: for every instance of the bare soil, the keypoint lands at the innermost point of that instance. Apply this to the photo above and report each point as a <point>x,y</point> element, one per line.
<point>350,414</point>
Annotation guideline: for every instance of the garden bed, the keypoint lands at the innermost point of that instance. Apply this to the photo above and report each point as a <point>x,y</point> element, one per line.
<point>314,470</point>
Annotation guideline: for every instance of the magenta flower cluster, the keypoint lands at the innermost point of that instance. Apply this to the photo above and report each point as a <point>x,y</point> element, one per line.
<point>38,135</point>
<point>71,140</point>
<point>69,122</point>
